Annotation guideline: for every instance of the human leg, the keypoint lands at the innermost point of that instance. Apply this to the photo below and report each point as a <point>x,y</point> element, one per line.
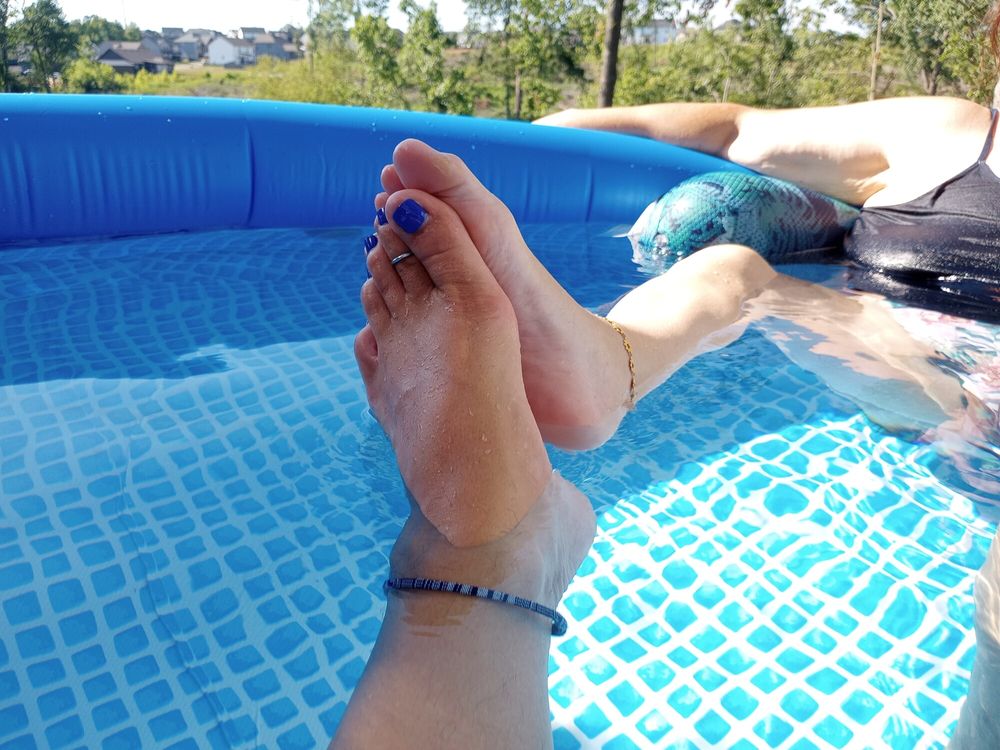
<point>574,366</point>
<point>458,673</point>
<point>979,723</point>
<point>449,671</point>
<point>575,370</point>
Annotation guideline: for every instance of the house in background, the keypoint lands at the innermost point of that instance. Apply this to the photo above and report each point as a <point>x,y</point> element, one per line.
<point>171,33</point>
<point>658,31</point>
<point>190,46</point>
<point>193,44</point>
<point>227,51</point>
<point>250,33</point>
<point>154,41</point>
<point>275,44</point>
<point>131,57</point>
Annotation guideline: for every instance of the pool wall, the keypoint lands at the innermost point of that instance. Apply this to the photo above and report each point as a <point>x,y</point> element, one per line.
<point>75,166</point>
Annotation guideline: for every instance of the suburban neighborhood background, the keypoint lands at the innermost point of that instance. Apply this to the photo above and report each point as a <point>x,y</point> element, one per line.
<point>520,59</point>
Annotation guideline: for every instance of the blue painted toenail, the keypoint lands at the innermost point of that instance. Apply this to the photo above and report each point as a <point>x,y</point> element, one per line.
<point>370,242</point>
<point>410,216</point>
<point>382,219</point>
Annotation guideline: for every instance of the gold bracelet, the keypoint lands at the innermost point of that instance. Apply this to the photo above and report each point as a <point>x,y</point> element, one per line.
<point>630,405</point>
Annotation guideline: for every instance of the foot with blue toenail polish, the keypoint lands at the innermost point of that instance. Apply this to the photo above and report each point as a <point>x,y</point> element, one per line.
<point>442,317</point>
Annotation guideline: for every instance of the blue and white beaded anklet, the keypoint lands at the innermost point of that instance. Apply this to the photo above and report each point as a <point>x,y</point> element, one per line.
<point>481,592</point>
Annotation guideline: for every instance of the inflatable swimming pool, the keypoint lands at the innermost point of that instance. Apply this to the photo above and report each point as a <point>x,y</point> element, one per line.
<point>197,506</point>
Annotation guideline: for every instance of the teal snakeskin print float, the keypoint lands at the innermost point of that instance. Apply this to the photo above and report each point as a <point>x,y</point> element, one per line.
<point>780,220</point>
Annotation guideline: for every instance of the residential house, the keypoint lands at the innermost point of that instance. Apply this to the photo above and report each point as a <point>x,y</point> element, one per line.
<point>224,50</point>
<point>657,31</point>
<point>275,44</point>
<point>155,42</point>
<point>172,33</point>
<point>190,46</point>
<point>250,33</point>
<point>131,57</point>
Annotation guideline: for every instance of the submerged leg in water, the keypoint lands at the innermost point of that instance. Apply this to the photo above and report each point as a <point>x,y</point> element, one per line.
<point>979,723</point>
<point>440,361</point>
<point>575,371</point>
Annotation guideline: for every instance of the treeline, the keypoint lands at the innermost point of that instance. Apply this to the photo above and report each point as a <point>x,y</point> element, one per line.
<point>523,58</point>
<point>38,44</point>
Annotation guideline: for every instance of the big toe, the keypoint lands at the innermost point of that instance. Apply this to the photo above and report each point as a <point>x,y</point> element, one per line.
<point>436,235</point>
<point>416,165</point>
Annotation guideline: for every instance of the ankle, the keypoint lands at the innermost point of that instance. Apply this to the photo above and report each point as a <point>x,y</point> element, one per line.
<point>505,564</point>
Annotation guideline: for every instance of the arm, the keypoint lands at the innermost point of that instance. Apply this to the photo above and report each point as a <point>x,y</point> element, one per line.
<point>850,152</point>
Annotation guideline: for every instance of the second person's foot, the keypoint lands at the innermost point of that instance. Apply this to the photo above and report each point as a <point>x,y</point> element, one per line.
<point>574,365</point>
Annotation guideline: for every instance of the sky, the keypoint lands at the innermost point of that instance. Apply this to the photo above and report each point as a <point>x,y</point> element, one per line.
<point>225,15</point>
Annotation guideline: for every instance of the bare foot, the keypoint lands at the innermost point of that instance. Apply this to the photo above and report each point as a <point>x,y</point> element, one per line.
<point>575,368</point>
<point>441,363</point>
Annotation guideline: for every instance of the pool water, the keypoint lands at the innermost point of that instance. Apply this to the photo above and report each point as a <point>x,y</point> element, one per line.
<point>197,507</point>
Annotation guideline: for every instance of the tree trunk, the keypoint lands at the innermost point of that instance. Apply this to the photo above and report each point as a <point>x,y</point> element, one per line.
<point>4,75</point>
<point>877,53</point>
<point>609,64</point>
<point>518,95</point>
<point>929,79</point>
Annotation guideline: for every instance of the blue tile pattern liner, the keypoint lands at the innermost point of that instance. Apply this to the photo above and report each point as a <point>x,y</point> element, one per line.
<point>197,508</point>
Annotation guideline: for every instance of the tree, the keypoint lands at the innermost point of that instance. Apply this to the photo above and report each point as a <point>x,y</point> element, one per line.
<point>422,63</point>
<point>531,46</point>
<point>764,51</point>
<point>43,29</point>
<point>92,30</point>
<point>85,76</point>
<point>609,60</point>
<point>378,47</point>
<point>941,43</point>
<point>942,40</point>
<point>4,73</point>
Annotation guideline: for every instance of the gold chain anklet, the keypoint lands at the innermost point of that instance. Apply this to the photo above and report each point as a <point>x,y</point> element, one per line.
<point>630,405</point>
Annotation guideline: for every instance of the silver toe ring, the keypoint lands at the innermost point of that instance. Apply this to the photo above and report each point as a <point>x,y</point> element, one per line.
<point>401,258</point>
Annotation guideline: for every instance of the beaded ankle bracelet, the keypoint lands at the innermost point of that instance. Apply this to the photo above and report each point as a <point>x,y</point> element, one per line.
<point>559,624</point>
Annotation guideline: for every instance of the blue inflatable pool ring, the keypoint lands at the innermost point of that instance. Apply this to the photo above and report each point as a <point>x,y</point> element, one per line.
<point>783,222</point>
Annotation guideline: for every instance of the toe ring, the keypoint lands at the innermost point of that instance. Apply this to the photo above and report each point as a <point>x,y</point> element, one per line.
<point>400,258</point>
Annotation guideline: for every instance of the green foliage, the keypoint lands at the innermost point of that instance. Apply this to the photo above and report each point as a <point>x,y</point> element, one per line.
<point>529,57</point>
<point>43,29</point>
<point>937,46</point>
<point>831,68</point>
<point>421,57</point>
<point>92,30</point>
<point>5,82</point>
<point>378,46</point>
<point>326,81</point>
<point>942,42</point>
<point>530,45</point>
<point>83,76</point>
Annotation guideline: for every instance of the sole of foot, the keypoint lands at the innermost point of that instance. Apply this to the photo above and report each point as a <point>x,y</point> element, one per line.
<point>574,367</point>
<point>440,359</point>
